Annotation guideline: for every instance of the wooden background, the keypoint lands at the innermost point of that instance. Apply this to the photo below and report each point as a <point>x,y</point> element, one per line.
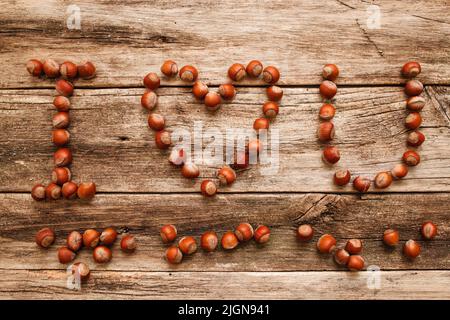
<point>138,189</point>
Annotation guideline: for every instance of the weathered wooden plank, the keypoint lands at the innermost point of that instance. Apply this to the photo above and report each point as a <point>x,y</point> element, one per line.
<point>345,216</point>
<point>50,284</point>
<point>127,40</point>
<point>113,145</point>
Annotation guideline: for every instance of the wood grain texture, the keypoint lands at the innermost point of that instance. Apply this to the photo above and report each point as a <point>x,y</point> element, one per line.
<point>113,145</point>
<point>344,216</point>
<point>50,284</point>
<point>139,190</point>
<point>128,40</point>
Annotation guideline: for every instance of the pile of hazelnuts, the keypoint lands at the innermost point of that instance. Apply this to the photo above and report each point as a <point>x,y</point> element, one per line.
<point>91,238</point>
<point>212,101</point>
<point>61,184</point>
<point>331,155</point>
<point>349,255</point>
<point>209,241</point>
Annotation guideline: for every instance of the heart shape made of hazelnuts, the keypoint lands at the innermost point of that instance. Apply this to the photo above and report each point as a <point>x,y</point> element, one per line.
<point>212,100</point>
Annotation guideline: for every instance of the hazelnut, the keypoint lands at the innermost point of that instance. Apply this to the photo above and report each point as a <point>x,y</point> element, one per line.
<point>341,177</point>
<point>108,236</point>
<point>102,254</point>
<point>62,157</point>
<point>173,255</point>
<point>60,137</point>
<point>262,234</point>
<point>353,246</point>
<point>190,170</point>
<point>156,121</point>
<point>53,192</point>
<point>326,243</point>
<point>149,100</point>
<point>305,232</point>
<point>187,245</point>
<point>399,171</point>
<point>65,255</point>
<point>227,91</point>
<point>271,74</point>
<point>199,89</point>
<point>383,180</point>
<point>355,263</point>
<point>327,111</point>
<point>168,233</point>
<point>35,67</point>
<point>208,188</point>
<point>86,70</point>
<point>91,238</point>
<point>74,241</point>
<point>38,192</point>
<point>254,68</point>
<point>391,237</point>
<point>61,175</point>
<point>236,72</point>
<point>64,88</point>
<point>415,103</point>
<point>411,69</point>
<point>51,68</point>
<point>69,190</point>
<point>330,72</point>
<point>226,175</point>
<point>128,243</point>
<point>328,89</point>
<point>86,190</point>
<point>261,124</point>
<point>68,70</point>
<point>341,256</point>
<point>274,93</point>
<point>169,68</point>
<point>229,240</point>
<point>413,120</point>
<point>326,131</point>
<point>411,249</point>
<point>413,88</point>
<point>188,73</point>
<point>152,81</point>
<point>331,155</point>
<point>61,120</point>
<point>212,100</point>
<point>45,237</point>
<point>163,139</point>
<point>244,232</point>
<point>61,103</point>
<point>428,230</point>
<point>81,270</point>
<point>209,241</point>
<point>361,184</point>
<point>411,158</point>
<point>270,109</point>
<point>415,138</point>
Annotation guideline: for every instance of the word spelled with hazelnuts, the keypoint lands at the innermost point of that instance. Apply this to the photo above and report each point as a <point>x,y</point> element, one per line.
<point>61,179</point>
<point>212,100</point>
<point>326,130</point>
<point>209,240</point>
<point>99,242</point>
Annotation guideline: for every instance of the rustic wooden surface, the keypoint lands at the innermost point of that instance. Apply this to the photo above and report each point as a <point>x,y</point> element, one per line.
<point>138,189</point>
